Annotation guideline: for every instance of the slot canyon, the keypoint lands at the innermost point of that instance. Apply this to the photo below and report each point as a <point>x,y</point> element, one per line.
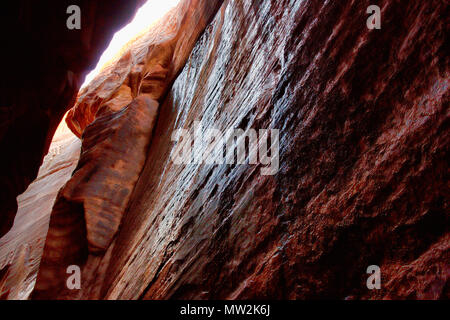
<point>362,150</point>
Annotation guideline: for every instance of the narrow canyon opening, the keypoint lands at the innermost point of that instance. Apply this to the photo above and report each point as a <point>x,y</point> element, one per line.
<point>145,17</point>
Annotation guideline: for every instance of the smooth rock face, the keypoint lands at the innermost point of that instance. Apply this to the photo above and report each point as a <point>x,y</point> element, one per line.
<point>21,248</point>
<point>42,70</point>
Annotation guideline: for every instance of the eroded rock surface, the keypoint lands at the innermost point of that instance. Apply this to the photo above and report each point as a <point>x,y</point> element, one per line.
<point>88,210</point>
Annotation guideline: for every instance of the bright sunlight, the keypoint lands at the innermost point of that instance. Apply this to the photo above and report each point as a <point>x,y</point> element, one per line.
<point>149,13</point>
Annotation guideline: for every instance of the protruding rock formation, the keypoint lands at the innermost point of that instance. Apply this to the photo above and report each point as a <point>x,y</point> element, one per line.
<point>89,208</point>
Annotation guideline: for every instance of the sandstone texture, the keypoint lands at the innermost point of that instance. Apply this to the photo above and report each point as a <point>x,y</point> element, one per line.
<point>88,210</point>
<point>363,124</point>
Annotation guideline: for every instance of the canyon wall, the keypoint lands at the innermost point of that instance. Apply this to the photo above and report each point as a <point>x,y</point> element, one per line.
<point>362,175</point>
